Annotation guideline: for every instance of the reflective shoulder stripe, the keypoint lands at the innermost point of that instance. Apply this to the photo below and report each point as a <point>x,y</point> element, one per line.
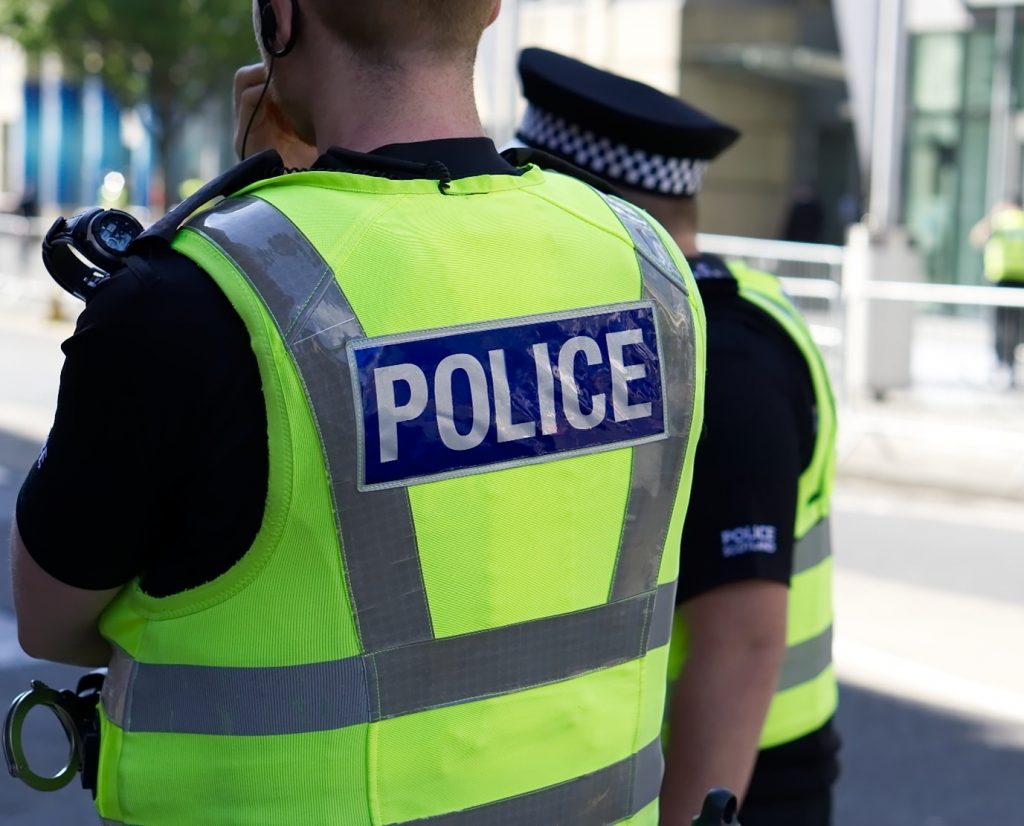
<point>657,468</point>
<point>806,660</point>
<point>300,291</point>
<point>254,701</point>
<point>813,547</point>
<point>609,795</point>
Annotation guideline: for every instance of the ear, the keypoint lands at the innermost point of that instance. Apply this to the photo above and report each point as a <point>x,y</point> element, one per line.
<point>494,12</point>
<point>284,11</point>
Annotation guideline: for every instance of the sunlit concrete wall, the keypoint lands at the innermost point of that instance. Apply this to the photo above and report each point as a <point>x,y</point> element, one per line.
<point>12,104</point>
<point>638,38</point>
<point>747,191</point>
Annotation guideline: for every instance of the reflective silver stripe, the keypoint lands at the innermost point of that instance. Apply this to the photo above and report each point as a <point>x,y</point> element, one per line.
<point>657,467</point>
<point>806,660</point>
<point>813,547</point>
<point>301,293</point>
<point>608,795</point>
<point>516,657</point>
<point>251,702</point>
<point>191,699</point>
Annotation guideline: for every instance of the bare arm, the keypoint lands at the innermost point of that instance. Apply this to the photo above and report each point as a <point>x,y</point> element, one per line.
<point>737,643</point>
<point>980,232</point>
<point>55,621</point>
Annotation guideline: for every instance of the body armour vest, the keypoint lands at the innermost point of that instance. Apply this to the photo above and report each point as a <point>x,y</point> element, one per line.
<point>480,407</point>
<point>1004,251</point>
<point>807,693</point>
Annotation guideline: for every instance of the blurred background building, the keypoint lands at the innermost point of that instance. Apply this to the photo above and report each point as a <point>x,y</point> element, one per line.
<point>796,76</point>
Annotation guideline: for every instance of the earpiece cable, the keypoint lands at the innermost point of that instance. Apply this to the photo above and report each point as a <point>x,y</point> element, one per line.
<point>256,109</point>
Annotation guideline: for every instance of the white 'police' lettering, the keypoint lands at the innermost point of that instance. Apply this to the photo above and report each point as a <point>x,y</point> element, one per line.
<point>444,394</point>
<point>749,539</point>
<point>507,431</point>
<point>570,392</point>
<point>545,389</point>
<point>442,403</point>
<point>391,414</point>
<point>623,374</point>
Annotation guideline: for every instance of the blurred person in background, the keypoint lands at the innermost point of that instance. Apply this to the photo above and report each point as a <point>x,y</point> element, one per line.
<point>805,220</point>
<point>1001,233</point>
<point>754,691</point>
<point>28,203</point>
<point>349,480</point>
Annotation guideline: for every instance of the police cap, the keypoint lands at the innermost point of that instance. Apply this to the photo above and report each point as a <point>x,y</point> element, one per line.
<point>621,130</point>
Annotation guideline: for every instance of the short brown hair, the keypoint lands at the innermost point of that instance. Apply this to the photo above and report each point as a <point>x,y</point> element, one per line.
<point>384,28</point>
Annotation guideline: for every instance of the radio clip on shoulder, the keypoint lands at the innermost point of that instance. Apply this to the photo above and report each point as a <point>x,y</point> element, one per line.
<point>82,251</point>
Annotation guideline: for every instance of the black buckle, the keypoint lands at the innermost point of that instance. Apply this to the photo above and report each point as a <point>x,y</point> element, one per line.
<point>720,809</point>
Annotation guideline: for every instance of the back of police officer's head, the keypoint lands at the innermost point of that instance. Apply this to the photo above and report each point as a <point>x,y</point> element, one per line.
<point>386,31</point>
<point>350,54</point>
<point>389,34</point>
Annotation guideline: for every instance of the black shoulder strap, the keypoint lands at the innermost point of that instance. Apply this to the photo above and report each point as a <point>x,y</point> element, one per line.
<point>523,155</point>
<point>257,168</point>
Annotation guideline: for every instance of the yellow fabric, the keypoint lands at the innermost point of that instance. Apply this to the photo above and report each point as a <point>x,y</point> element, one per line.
<point>801,710</point>
<point>1004,251</point>
<point>797,711</point>
<point>495,548</point>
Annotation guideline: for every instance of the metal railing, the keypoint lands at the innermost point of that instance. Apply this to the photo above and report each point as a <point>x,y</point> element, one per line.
<point>812,275</point>
<point>946,351</point>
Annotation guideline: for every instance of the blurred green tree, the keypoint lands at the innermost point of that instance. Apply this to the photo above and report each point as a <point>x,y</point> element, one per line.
<point>175,54</point>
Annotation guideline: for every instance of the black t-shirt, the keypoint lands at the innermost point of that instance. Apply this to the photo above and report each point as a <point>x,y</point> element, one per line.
<point>758,416</point>
<point>156,466</point>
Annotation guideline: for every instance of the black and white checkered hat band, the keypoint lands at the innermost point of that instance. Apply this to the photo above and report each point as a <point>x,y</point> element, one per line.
<point>613,161</point>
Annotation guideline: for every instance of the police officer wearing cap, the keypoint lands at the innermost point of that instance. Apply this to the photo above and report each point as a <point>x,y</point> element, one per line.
<point>754,693</point>
<point>350,476</point>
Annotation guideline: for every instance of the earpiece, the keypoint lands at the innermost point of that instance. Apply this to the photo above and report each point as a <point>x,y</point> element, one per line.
<point>268,29</point>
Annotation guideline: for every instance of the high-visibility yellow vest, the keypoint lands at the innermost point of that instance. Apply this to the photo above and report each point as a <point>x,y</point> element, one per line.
<point>480,409</point>
<point>807,693</point>
<point>1004,251</point>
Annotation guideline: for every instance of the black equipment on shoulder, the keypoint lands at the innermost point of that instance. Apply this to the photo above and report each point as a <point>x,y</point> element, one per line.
<point>77,713</point>
<point>81,251</point>
<point>720,808</point>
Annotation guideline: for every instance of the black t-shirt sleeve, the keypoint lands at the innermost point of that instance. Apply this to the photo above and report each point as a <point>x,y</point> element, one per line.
<point>145,419</point>
<point>758,418</point>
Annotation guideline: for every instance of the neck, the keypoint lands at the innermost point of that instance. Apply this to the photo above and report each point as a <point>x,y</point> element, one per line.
<point>377,106</point>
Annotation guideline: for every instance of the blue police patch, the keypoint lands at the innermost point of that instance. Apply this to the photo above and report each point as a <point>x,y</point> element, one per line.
<point>472,399</point>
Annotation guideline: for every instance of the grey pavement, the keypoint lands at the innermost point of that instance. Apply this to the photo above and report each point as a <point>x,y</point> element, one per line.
<point>958,428</point>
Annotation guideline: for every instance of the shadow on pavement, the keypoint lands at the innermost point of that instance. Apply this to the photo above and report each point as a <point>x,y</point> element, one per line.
<point>906,764</point>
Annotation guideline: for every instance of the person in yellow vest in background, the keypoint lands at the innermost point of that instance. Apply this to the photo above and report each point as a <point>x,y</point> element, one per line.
<point>391,456</point>
<point>754,692</point>
<point>1001,233</point>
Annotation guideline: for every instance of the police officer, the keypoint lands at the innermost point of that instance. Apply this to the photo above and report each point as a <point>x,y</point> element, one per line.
<point>350,483</point>
<point>1001,233</point>
<point>755,568</point>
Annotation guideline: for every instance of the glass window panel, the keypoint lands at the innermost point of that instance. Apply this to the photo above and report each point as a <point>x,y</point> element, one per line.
<point>933,154</point>
<point>938,72</point>
<point>981,58</point>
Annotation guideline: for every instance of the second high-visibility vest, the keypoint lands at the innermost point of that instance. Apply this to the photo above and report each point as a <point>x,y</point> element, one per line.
<point>1004,251</point>
<point>457,610</point>
<point>807,693</point>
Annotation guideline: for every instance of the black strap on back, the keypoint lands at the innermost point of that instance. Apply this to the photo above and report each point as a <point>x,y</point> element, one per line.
<point>263,165</point>
<point>523,155</point>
